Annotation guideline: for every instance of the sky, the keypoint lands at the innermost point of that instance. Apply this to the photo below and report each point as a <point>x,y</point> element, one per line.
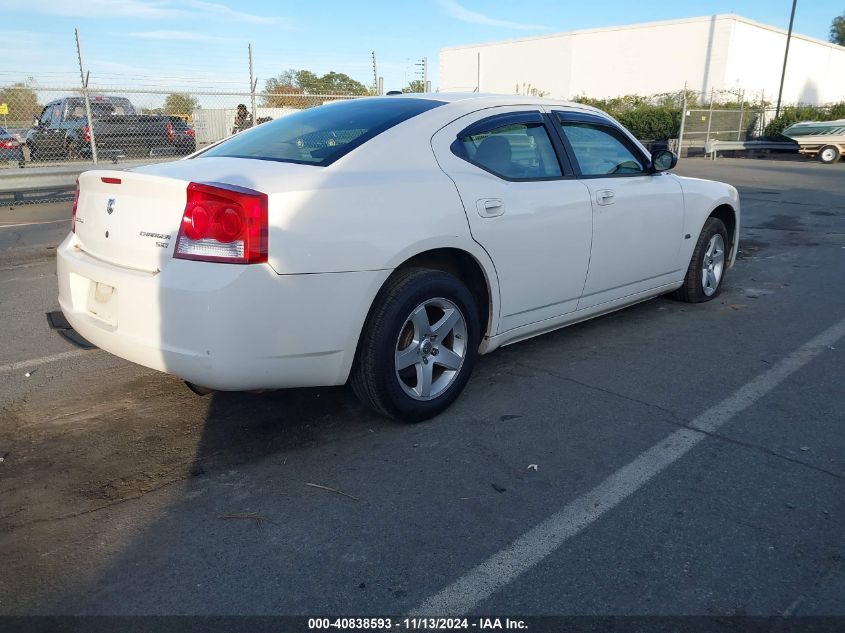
<point>202,44</point>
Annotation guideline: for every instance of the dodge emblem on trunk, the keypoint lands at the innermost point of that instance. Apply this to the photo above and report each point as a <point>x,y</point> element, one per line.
<point>110,206</point>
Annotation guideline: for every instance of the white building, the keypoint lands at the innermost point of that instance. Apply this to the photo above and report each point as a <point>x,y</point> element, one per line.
<point>720,52</point>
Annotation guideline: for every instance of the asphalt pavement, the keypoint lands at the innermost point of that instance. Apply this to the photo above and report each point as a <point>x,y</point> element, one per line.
<point>668,459</point>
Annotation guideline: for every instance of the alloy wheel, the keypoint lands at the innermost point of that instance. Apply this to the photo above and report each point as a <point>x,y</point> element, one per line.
<point>430,349</point>
<point>713,266</point>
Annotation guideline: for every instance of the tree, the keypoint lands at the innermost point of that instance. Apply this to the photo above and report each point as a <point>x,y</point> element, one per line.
<point>416,85</point>
<point>180,104</point>
<point>837,30</point>
<point>290,88</point>
<point>22,102</point>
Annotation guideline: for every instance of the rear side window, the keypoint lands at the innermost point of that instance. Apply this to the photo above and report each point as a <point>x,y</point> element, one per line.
<point>319,136</point>
<point>517,151</point>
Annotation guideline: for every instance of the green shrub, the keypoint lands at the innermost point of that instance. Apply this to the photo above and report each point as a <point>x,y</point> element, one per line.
<point>648,118</point>
<point>652,123</point>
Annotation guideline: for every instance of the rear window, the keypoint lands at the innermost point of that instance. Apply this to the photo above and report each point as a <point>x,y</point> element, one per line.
<point>319,136</point>
<point>178,123</point>
<point>101,107</point>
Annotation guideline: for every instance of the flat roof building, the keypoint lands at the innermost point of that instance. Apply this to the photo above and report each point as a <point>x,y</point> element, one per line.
<point>720,52</point>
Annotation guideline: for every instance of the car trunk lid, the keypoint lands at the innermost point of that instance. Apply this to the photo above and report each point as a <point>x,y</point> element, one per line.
<point>147,204</point>
<point>129,219</point>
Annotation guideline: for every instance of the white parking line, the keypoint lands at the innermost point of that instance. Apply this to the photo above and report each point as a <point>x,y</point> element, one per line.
<point>37,362</point>
<point>11,226</point>
<point>528,550</point>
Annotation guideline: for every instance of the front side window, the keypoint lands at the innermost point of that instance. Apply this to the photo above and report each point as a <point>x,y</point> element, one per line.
<point>45,115</point>
<point>599,151</point>
<point>319,136</point>
<point>517,151</point>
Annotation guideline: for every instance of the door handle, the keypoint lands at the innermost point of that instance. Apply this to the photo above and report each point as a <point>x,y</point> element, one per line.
<point>490,207</point>
<point>605,196</point>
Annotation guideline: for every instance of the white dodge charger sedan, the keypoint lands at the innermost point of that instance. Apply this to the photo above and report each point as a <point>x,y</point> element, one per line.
<point>387,242</point>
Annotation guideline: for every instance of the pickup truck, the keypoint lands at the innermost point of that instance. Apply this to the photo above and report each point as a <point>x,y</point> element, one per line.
<point>63,130</point>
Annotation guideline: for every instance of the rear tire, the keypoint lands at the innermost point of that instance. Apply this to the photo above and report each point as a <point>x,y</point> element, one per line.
<point>829,154</point>
<point>418,346</point>
<point>708,264</point>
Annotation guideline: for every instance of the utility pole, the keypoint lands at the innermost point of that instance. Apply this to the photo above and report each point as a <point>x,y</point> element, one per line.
<point>252,83</point>
<point>478,72</point>
<point>422,73</point>
<point>785,57</point>
<point>375,75</point>
<point>84,77</point>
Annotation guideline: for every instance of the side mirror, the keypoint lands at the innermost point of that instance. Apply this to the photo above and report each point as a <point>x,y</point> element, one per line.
<point>663,160</point>
<point>36,122</point>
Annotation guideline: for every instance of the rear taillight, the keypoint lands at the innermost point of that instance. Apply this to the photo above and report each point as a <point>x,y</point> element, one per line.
<point>86,134</point>
<point>10,144</point>
<point>189,131</point>
<point>223,223</point>
<point>73,210</point>
<point>170,131</point>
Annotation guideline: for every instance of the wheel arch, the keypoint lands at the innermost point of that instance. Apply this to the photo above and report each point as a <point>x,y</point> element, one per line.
<point>468,262</point>
<point>470,271</point>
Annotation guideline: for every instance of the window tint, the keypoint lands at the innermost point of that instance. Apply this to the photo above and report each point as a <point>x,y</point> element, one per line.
<point>321,135</point>
<point>599,151</point>
<point>519,151</point>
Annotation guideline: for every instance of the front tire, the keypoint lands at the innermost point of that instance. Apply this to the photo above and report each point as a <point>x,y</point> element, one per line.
<point>707,266</point>
<point>418,347</point>
<point>829,154</point>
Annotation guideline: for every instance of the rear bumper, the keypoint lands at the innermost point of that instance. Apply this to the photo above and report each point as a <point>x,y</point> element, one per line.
<point>221,326</point>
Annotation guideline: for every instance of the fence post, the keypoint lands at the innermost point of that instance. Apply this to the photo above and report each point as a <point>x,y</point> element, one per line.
<point>683,120</point>
<point>741,112</point>
<point>709,118</point>
<point>84,78</point>
<point>252,84</point>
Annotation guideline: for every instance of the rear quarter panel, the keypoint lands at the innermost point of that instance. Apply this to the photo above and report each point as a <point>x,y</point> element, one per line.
<point>381,204</point>
<point>373,209</point>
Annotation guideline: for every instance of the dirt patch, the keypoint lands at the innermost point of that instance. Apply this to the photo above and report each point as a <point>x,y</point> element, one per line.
<point>750,248</point>
<point>782,222</point>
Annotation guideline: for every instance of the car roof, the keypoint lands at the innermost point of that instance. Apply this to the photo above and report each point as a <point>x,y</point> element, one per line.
<point>487,99</point>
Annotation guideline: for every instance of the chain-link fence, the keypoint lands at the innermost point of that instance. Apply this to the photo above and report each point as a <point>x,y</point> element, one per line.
<point>725,115</point>
<point>68,127</point>
<point>702,125</point>
<point>61,125</point>
<point>49,133</point>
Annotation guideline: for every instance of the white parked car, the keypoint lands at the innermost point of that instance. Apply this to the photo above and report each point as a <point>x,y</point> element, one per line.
<point>386,242</point>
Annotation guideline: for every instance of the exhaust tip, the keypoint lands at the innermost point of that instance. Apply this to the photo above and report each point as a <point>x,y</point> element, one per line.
<point>198,389</point>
